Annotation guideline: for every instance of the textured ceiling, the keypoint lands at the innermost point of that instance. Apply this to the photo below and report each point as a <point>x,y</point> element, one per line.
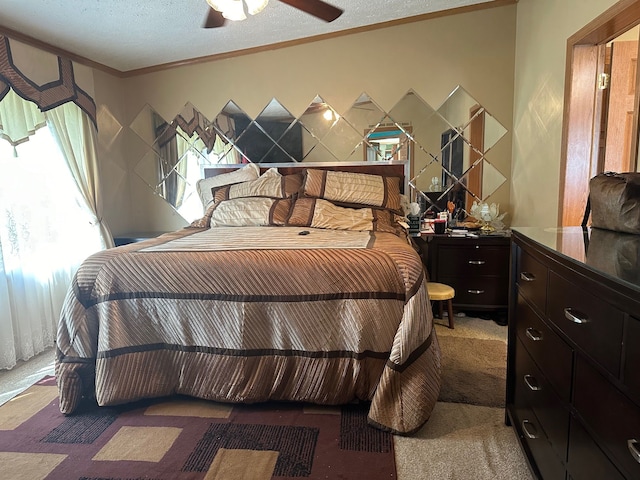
<point>133,34</point>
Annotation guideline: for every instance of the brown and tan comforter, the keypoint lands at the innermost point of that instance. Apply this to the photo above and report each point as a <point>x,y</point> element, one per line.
<point>315,318</point>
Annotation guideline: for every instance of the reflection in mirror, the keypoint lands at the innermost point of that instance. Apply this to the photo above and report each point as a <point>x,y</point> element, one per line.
<point>178,152</point>
<point>229,125</point>
<point>388,143</point>
<point>455,139</point>
<point>262,140</point>
<point>315,122</point>
<point>413,115</point>
<point>347,137</point>
<point>445,148</point>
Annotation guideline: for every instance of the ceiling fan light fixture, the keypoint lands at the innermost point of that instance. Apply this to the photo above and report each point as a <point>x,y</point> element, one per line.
<point>217,4</point>
<point>235,9</point>
<point>255,6</point>
<point>230,9</point>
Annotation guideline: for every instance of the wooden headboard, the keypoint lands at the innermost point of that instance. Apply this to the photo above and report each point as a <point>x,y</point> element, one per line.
<point>392,169</point>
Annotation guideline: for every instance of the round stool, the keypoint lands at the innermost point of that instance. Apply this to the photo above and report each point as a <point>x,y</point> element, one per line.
<point>439,292</point>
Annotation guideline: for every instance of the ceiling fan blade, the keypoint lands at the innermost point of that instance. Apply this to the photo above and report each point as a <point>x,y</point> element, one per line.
<point>317,8</point>
<point>214,19</point>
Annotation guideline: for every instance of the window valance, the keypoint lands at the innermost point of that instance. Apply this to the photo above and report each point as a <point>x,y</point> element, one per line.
<point>19,119</point>
<point>48,95</point>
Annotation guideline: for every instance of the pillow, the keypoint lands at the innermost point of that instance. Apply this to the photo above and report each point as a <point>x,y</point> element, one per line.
<point>203,186</point>
<point>268,185</point>
<point>249,212</point>
<point>354,189</point>
<point>272,172</point>
<point>319,213</point>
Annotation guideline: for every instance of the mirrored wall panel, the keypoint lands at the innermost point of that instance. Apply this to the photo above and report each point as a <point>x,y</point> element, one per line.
<point>446,146</point>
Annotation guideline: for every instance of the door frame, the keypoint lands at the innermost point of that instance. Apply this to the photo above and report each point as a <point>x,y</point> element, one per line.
<point>583,106</point>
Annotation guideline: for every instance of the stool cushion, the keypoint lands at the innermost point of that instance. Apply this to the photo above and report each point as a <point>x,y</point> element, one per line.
<point>440,291</point>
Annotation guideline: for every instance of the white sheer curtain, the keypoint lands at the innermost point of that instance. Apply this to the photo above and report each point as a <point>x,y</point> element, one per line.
<point>46,230</point>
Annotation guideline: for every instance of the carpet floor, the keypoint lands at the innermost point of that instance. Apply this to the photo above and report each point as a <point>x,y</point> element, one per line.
<point>186,438</point>
<point>474,371</point>
<point>463,441</point>
<point>460,441</point>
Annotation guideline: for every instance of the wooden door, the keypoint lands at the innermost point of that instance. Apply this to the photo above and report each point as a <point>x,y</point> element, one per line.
<point>619,156</point>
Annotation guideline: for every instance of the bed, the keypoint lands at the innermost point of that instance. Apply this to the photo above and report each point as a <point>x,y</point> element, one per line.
<point>296,285</point>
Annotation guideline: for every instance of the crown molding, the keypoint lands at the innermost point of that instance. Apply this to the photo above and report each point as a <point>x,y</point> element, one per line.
<point>247,51</point>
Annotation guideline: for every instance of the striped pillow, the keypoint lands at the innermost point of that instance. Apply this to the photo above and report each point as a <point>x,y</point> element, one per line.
<point>354,189</point>
<point>319,213</point>
<point>250,212</point>
<point>270,186</point>
<point>203,186</point>
<point>253,194</point>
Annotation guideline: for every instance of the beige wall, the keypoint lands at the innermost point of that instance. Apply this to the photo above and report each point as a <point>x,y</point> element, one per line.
<point>113,165</point>
<point>543,27</point>
<point>475,50</point>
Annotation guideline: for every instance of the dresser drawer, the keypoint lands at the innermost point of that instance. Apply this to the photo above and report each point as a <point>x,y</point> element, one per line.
<point>632,357</point>
<point>534,440</point>
<point>614,419</point>
<point>484,291</point>
<point>548,350</point>
<point>590,323</point>
<point>533,390</point>
<point>532,280</point>
<point>473,260</point>
<point>586,460</point>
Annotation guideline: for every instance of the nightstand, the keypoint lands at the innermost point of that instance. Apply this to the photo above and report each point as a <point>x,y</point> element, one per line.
<point>477,268</point>
<point>134,237</point>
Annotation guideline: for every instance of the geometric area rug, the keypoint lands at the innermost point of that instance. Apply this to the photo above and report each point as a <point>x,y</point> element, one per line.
<point>184,438</point>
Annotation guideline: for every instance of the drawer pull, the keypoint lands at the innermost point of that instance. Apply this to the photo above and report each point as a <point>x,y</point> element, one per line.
<point>634,449</point>
<point>529,429</point>
<point>476,292</point>
<point>575,316</point>
<point>532,383</point>
<point>476,262</point>
<point>527,277</point>
<point>534,334</point>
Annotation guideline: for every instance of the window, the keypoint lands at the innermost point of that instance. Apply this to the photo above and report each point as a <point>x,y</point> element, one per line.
<point>45,233</point>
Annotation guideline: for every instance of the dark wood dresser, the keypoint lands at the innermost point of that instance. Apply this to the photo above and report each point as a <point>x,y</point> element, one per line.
<point>477,268</point>
<point>573,374</point>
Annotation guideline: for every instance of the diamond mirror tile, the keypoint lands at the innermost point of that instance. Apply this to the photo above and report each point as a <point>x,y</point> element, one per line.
<point>446,147</point>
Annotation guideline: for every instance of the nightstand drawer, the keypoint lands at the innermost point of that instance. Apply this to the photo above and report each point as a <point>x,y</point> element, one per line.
<point>532,281</point>
<point>477,268</point>
<point>614,419</point>
<point>473,260</point>
<point>590,323</point>
<point>548,350</point>
<point>478,291</point>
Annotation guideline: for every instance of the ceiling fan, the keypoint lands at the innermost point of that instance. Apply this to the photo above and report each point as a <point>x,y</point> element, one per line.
<point>318,8</point>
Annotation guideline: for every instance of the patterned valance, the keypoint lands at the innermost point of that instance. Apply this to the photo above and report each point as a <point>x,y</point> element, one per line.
<point>48,95</point>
